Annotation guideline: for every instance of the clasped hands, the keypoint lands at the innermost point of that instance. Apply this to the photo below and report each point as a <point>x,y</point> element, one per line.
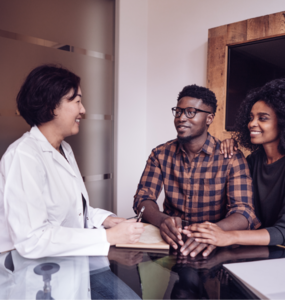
<point>173,234</point>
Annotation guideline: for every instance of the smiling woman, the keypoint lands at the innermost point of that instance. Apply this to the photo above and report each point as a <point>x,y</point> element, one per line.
<point>44,205</point>
<point>260,127</point>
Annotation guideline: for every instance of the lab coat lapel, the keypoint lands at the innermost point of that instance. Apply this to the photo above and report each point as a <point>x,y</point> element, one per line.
<point>47,147</point>
<point>62,161</point>
<point>67,150</point>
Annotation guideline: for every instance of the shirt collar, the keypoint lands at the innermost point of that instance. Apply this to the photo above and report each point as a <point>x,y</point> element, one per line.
<point>208,147</point>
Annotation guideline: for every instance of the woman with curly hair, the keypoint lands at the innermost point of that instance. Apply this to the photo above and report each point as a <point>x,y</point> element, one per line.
<point>260,128</point>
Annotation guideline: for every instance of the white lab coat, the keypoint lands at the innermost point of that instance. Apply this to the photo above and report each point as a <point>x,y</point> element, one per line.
<point>41,212</point>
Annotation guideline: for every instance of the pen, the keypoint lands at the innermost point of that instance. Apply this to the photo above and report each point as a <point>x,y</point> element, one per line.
<point>140,214</point>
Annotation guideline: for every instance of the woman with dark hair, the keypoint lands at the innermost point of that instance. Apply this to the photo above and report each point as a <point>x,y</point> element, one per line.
<point>44,205</point>
<point>260,128</point>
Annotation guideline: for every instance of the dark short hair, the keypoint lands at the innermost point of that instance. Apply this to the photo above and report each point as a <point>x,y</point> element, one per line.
<point>42,91</point>
<point>273,94</point>
<point>199,92</point>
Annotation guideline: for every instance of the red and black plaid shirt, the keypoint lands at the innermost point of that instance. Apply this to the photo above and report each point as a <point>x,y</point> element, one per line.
<point>209,188</point>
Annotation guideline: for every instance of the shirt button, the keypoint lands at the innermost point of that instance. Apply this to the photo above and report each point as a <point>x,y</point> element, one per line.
<point>80,214</point>
<point>87,218</point>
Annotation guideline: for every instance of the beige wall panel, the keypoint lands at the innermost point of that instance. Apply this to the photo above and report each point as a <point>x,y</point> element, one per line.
<point>89,25</point>
<point>19,58</point>
<point>86,24</point>
<point>100,192</point>
<point>93,147</point>
<point>11,129</point>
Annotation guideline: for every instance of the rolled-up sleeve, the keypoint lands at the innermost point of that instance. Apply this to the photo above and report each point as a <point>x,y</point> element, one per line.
<point>240,191</point>
<point>150,184</point>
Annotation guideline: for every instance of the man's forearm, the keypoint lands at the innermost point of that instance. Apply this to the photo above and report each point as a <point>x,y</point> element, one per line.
<point>235,221</point>
<point>152,213</point>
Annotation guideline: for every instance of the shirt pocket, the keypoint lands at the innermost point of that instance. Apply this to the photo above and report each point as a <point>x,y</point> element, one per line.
<point>212,190</point>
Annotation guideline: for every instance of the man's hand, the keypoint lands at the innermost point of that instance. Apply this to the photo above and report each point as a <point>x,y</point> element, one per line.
<point>170,230</point>
<point>112,221</point>
<point>194,248</point>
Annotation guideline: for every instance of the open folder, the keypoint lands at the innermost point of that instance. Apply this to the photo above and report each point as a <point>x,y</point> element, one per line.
<point>150,239</point>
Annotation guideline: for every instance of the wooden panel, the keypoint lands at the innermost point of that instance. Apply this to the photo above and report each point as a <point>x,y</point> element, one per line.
<point>237,32</point>
<point>217,31</point>
<point>216,77</point>
<point>276,23</point>
<point>257,27</point>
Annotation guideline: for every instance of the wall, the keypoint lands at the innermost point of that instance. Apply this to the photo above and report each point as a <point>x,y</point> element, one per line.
<point>177,51</point>
<point>37,29</point>
<point>130,100</point>
<point>162,47</point>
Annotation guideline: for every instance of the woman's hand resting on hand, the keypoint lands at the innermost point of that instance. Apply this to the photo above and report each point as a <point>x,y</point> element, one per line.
<point>211,233</point>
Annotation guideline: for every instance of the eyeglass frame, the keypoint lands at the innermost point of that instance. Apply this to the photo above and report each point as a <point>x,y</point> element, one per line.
<point>184,109</point>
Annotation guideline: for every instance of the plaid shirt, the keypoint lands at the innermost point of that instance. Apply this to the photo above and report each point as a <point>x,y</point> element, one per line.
<point>209,188</point>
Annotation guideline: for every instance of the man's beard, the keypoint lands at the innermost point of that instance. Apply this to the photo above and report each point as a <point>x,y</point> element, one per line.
<point>184,140</point>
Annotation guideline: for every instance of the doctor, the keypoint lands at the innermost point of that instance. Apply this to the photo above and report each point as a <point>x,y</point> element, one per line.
<point>44,205</point>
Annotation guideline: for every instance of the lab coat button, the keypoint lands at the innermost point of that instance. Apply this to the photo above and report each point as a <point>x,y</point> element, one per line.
<point>80,214</point>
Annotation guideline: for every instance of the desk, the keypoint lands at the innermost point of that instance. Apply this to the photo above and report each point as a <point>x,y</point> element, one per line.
<point>129,273</point>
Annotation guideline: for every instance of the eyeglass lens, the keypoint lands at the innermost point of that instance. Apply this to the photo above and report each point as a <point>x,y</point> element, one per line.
<point>190,112</point>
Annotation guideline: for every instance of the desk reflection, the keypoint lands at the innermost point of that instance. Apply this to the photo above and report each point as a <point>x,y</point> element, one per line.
<point>128,274</point>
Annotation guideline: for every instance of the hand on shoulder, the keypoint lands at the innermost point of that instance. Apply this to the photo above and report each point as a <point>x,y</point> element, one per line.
<point>228,147</point>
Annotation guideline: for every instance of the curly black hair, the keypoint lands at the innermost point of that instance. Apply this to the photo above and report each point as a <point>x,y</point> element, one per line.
<point>42,92</point>
<point>199,92</point>
<point>273,94</point>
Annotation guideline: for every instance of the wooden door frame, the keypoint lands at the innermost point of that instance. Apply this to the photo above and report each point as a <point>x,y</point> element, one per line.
<point>219,38</point>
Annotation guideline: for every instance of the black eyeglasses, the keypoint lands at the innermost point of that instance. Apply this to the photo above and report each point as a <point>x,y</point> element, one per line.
<point>190,112</point>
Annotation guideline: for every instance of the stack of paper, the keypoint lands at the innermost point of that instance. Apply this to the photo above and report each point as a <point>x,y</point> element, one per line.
<point>150,239</point>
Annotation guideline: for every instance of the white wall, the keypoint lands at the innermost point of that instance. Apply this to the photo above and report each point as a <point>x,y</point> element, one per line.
<point>174,45</point>
<point>130,100</point>
<point>177,51</point>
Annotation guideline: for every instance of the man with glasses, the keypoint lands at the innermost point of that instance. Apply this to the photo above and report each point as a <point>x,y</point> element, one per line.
<point>200,184</point>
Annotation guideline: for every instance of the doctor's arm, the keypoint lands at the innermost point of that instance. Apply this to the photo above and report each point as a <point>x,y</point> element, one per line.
<point>33,233</point>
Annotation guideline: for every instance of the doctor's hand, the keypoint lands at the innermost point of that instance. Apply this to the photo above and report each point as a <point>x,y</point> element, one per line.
<point>171,231</point>
<point>112,221</point>
<point>126,232</point>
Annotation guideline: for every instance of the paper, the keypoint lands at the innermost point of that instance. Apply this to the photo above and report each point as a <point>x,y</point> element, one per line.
<point>264,278</point>
<point>150,235</point>
<point>150,239</point>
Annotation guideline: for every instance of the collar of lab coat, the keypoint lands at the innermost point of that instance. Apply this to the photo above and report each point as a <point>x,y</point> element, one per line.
<point>47,147</point>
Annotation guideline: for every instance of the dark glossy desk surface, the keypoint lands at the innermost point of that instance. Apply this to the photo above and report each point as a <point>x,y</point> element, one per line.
<point>150,275</point>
